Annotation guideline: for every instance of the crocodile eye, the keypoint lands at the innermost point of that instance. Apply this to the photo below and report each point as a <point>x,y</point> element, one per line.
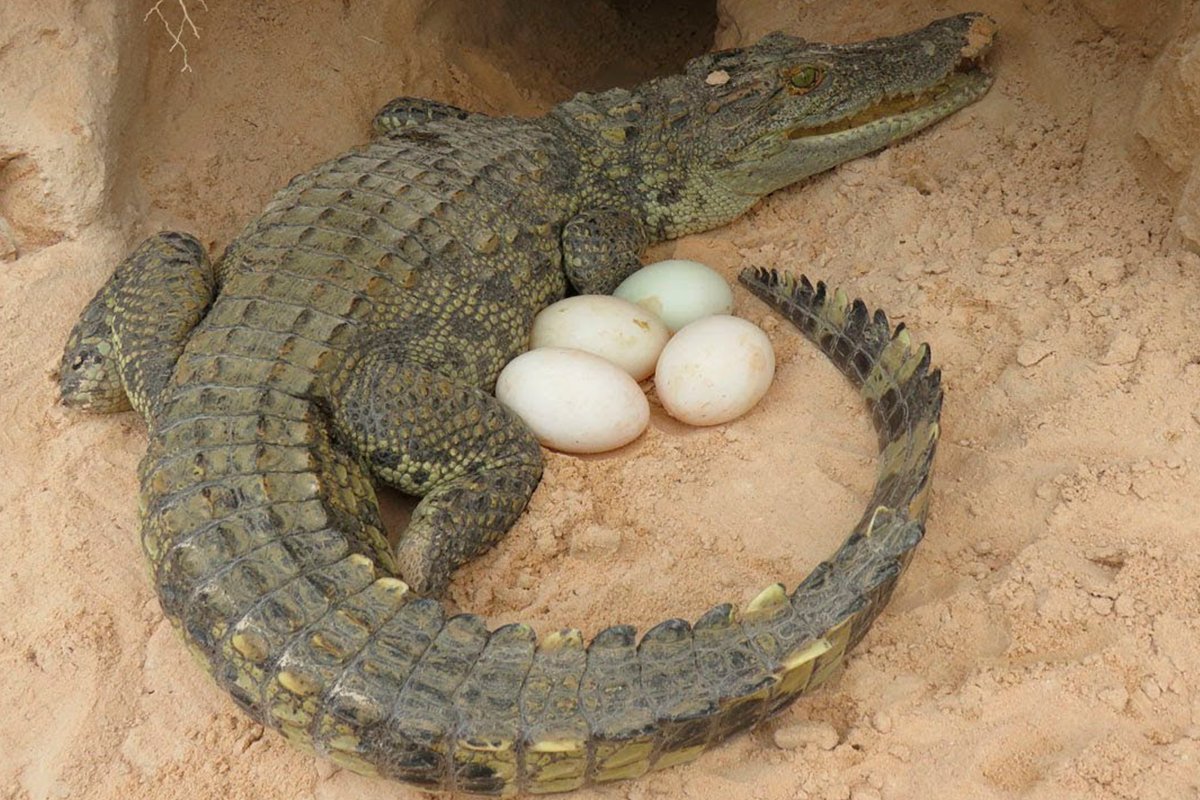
<point>806,77</point>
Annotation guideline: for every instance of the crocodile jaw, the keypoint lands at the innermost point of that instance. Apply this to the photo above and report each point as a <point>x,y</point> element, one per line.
<point>816,150</point>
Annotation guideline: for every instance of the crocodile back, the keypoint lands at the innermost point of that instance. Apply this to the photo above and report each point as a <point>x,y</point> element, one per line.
<point>438,243</point>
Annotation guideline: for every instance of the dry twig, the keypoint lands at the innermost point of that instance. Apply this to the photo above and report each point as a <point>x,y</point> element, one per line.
<point>185,25</point>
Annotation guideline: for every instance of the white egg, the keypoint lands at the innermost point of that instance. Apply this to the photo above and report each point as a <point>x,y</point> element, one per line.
<point>574,401</point>
<point>626,334</point>
<point>678,291</point>
<point>714,370</point>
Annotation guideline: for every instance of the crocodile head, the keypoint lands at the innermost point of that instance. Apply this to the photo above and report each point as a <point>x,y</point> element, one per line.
<point>784,108</point>
<point>741,123</point>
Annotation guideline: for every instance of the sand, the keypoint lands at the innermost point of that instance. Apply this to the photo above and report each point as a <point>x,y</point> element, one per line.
<point>1044,643</point>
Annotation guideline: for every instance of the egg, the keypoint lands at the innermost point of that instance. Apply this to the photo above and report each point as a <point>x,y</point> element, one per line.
<point>574,401</point>
<point>678,291</point>
<point>626,334</point>
<point>714,370</point>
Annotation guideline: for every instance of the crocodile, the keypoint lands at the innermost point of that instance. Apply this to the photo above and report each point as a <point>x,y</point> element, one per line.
<point>351,336</point>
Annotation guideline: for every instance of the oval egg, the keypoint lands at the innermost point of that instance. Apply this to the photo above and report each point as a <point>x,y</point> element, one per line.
<point>678,291</point>
<point>574,401</point>
<point>714,370</point>
<point>625,334</point>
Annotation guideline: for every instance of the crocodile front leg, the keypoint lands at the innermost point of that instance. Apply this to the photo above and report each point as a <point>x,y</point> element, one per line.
<point>601,248</point>
<point>474,463</point>
<point>124,347</point>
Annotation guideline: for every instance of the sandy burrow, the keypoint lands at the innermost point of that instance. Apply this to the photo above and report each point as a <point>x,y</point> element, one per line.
<point>1044,643</point>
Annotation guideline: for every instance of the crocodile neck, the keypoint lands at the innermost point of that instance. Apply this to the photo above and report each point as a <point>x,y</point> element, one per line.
<point>635,154</point>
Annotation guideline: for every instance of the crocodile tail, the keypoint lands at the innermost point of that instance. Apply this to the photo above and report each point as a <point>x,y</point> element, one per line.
<point>345,661</point>
<point>904,395</point>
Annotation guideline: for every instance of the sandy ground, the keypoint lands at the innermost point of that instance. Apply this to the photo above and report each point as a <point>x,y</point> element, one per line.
<point>1045,641</point>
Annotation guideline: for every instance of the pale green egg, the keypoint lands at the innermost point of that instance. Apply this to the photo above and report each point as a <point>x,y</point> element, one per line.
<point>678,291</point>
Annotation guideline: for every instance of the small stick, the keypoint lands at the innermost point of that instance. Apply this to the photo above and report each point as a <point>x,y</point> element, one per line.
<point>185,25</point>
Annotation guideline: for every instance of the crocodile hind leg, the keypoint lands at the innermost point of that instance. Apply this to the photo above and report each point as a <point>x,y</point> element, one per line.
<point>601,248</point>
<point>123,350</point>
<point>408,112</point>
<point>473,462</point>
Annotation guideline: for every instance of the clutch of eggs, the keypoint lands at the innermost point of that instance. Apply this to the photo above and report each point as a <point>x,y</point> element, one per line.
<point>577,388</point>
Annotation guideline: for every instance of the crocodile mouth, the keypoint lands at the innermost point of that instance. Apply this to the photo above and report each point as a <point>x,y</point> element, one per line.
<point>961,87</point>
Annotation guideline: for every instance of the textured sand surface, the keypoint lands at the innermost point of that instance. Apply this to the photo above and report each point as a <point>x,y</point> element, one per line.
<point>1045,642</point>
